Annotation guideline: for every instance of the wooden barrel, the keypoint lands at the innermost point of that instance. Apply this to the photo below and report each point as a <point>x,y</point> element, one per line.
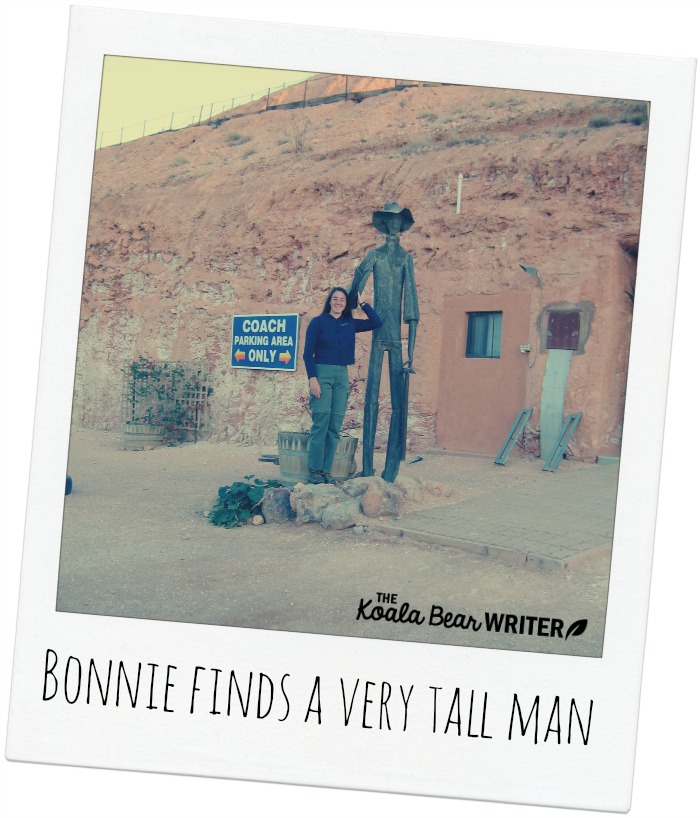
<point>344,465</point>
<point>294,457</point>
<point>293,449</point>
<point>138,436</point>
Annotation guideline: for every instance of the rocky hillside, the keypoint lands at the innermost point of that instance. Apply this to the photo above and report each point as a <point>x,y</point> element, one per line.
<point>264,211</point>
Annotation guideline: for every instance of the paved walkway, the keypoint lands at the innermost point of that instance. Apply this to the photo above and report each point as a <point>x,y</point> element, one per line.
<point>551,523</point>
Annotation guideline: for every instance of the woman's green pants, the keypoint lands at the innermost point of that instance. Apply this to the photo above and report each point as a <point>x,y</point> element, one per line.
<point>327,414</point>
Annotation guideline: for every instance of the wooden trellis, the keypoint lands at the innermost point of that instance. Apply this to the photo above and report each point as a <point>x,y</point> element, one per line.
<point>172,394</point>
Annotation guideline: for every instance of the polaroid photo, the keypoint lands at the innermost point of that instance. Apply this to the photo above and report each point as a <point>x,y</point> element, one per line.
<point>355,377</point>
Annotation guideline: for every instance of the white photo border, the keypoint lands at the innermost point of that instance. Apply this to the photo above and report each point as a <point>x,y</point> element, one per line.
<point>415,761</point>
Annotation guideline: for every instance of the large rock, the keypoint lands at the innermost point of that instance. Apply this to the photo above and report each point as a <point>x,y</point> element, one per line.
<point>359,485</point>
<point>409,487</point>
<point>311,501</point>
<point>275,506</point>
<point>341,515</point>
<point>378,501</point>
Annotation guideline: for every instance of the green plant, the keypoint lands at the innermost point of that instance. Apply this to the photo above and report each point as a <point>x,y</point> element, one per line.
<point>299,127</point>
<point>416,146</point>
<point>476,139</point>
<point>600,122</point>
<point>248,152</point>
<point>235,138</point>
<point>635,114</point>
<point>237,503</point>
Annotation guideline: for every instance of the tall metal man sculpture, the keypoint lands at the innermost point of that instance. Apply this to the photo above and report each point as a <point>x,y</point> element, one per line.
<point>394,283</point>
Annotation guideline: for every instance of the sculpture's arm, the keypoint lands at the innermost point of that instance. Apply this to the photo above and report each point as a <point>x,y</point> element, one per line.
<point>362,271</point>
<point>411,314</point>
<point>408,366</point>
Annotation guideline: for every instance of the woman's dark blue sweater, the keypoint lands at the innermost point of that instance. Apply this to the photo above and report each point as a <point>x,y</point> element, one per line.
<point>332,340</point>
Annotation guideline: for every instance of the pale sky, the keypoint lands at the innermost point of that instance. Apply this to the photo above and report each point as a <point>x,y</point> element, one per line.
<point>167,93</point>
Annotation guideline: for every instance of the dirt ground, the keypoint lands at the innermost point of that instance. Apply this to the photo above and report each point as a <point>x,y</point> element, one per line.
<point>136,543</point>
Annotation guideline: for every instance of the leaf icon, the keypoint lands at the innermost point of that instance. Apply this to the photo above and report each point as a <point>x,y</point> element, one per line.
<point>576,628</point>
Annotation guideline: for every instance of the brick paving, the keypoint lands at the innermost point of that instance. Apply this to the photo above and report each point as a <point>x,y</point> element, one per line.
<point>560,520</point>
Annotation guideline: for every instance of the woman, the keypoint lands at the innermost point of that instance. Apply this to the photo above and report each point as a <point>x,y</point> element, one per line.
<point>328,350</point>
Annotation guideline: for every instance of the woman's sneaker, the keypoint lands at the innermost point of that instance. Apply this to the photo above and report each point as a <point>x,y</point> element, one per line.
<point>315,477</point>
<point>328,479</point>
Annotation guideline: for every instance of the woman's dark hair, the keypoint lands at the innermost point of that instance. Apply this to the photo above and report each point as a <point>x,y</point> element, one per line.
<point>347,312</point>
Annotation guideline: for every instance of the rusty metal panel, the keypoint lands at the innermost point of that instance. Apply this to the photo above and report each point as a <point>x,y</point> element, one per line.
<point>563,329</point>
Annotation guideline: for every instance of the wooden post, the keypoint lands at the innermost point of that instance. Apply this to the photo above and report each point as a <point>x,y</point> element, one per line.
<point>459,193</point>
<point>305,86</point>
<point>172,116</point>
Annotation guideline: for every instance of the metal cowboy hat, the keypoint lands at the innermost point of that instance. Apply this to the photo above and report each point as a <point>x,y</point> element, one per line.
<point>379,217</point>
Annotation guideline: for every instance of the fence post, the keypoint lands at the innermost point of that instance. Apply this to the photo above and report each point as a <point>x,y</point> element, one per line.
<point>172,116</point>
<point>144,128</point>
<point>267,101</point>
<point>346,87</point>
<point>211,109</point>
<point>121,136</point>
<point>201,108</point>
<point>305,86</point>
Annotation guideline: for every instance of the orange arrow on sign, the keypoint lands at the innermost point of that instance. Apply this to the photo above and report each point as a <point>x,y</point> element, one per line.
<point>285,357</point>
<point>240,355</point>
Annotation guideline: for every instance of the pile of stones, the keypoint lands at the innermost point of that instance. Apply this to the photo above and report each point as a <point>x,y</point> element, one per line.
<point>347,504</point>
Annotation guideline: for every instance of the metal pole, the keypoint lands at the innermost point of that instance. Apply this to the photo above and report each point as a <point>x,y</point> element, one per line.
<point>267,101</point>
<point>144,128</point>
<point>121,136</point>
<point>459,193</point>
<point>172,116</point>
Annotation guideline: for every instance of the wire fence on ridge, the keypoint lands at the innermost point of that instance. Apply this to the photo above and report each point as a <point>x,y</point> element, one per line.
<point>294,95</point>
